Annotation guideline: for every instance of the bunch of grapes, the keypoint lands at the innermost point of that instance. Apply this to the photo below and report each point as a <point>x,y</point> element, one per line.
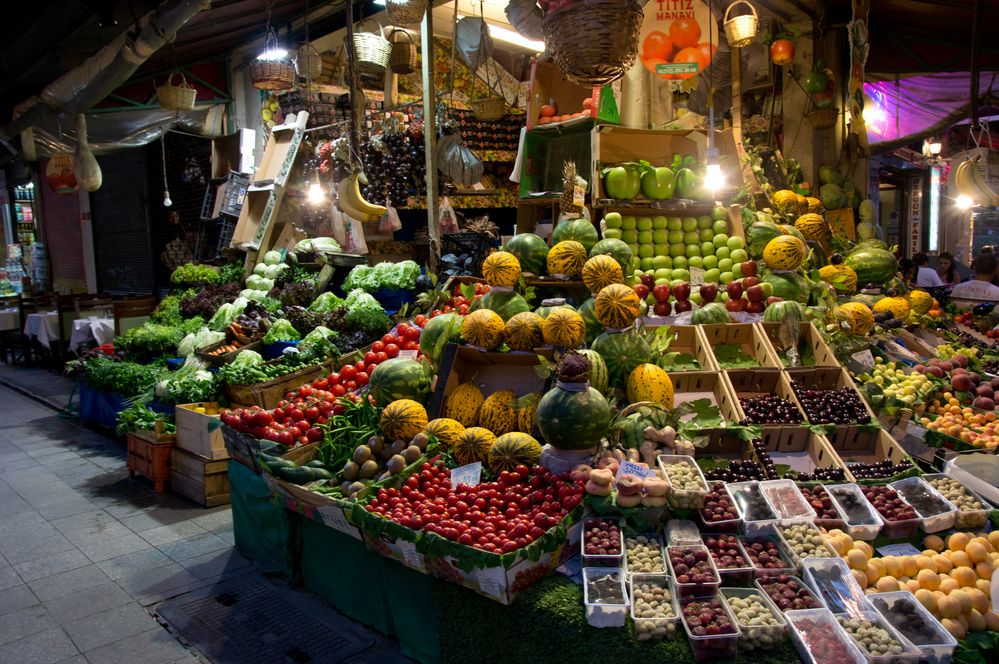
<point>395,168</point>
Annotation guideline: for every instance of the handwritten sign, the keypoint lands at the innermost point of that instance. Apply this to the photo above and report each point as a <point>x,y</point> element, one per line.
<point>629,468</point>
<point>865,359</point>
<point>696,276</point>
<point>904,549</point>
<point>408,354</point>
<point>470,474</point>
<point>333,517</point>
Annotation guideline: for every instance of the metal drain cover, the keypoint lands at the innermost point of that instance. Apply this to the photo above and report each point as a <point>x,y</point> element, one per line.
<point>256,621</point>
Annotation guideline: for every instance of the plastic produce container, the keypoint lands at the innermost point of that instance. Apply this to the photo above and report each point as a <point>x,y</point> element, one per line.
<point>900,528</point>
<point>909,655</point>
<point>683,498</point>
<point>691,589</point>
<point>598,560</point>
<point>757,637</point>
<point>965,519</point>
<point>786,500</point>
<point>834,584</point>
<point>657,628</point>
<point>819,638</point>
<point>605,596</point>
<point>726,526</point>
<point>770,536</point>
<point>712,647</point>
<point>681,532</point>
<point>862,521</point>
<point>654,543</point>
<point>753,507</point>
<point>796,556</point>
<point>762,584</point>
<point>733,576</point>
<point>838,522</point>
<point>915,623</point>
<point>939,515</point>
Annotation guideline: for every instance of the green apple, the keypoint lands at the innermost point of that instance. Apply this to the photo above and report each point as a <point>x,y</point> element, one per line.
<point>677,250</point>
<point>721,252</point>
<point>725,264</point>
<point>659,223</point>
<point>719,213</point>
<point>737,270</point>
<point>661,261</point>
<point>723,295</point>
<point>636,272</point>
<point>645,251</point>
<point>695,297</point>
<point>689,224</point>
<point>710,262</point>
<point>725,277</point>
<point>691,237</point>
<point>704,221</point>
<point>661,249</point>
<point>613,233</point>
<point>679,262</point>
<point>681,274</point>
<point>674,224</point>
<point>711,275</point>
<point>664,280</point>
<point>645,223</point>
<point>707,235</point>
<point>692,250</point>
<point>628,223</point>
<point>645,237</point>
<point>631,281</point>
<point>720,227</point>
<point>651,299</point>
<point>613,220</point>
<point>739,255</point>
<point>720,240</point>
<point>647,263</point>
<point>674,237</point>
<point>630,236</point>
<point>660,236</point>
<point>634,248</point>
<point>768,288</point>
<point>636,263</point>
<point>736,242</point>
<point>695,261</point>
<point>707,248</point>
<point>663,273</point>
<point>674,282</point>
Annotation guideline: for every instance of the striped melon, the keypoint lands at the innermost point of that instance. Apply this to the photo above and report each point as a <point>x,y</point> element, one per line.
<point>445,430</point>
<point>785,252</point>
<point>898,306</point>
<point>841,277</point>
<point>920,301</point>
<point>403,419</point>
<point>514,449</point>
<point>483,328</point>
<point>814,204</point>
<point>526,412</point>
<point>860,317</point>
<point>463,404</point>
<point>473,445</point>
<point>598,370</point>
<point>501,268</point>
<point>617,306</point>
<point>789,229</point>
<point>648,382</point>
<point>565,328</point>
<point>600,271</point>
<point>497,413</point>
<point>813,227</point>
<point>523,331</point>
<point>566,258</point>
<point>786,201</point>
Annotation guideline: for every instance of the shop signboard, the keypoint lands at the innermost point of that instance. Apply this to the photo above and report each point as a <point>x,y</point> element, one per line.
<point>678,38</point>
<point>59,173</point>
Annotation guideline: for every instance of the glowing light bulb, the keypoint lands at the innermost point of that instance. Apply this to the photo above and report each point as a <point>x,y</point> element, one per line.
<point>714,179</point>
<point>315,195</point>
<point>166,199</point>
<point>964,202</point>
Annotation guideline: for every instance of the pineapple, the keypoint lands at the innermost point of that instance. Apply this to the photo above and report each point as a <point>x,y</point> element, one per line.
<point>566,206</point>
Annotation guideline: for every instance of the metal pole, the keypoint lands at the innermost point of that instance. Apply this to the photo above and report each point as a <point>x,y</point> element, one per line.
<point>430,132</point>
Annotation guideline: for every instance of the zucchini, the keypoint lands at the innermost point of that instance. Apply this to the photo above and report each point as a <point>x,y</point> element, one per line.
<point>316,463</point>
<point>295,475</point>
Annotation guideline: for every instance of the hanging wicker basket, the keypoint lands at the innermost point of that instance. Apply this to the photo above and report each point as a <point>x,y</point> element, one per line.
<point>406,12</point>
<point>272,75</point>
<point>594,42</point>
<point>176,97</point>
<point>823,118</point>
<point>371,51</point>
<point>741,30</point>
<point>308,63</point>
<point>402,59</point>
<point>488,109</point>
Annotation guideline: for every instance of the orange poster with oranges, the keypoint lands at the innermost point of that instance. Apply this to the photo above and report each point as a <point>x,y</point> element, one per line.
<point>678,38</point>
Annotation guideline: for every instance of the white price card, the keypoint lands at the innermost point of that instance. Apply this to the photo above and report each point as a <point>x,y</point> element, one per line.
<point>410,555</point>
<point>470,474</point>
<point>904,549</point>
<point>408,354</point>
<point>629,468</point>
<point>696,276</point>
<point>333,517</point>
<point>865,359</point>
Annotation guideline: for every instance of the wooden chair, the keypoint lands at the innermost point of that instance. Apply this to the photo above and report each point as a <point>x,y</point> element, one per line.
<point>131,313</point>
<point>10,338</point>
<point>34,304</point>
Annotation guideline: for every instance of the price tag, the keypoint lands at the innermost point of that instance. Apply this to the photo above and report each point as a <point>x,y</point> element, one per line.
<point>470,474</point>
<point>579,192</point>
<point>629,468</point>
<point>408,354</point>
<point>904,549</point>
<point>410,555</point>
<point>333,517</point>
<point>492,582</point>
<point>865,359</point>
<point>696,276</point>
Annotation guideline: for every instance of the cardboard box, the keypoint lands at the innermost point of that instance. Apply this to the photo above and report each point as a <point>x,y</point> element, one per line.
<point>812,348</point>
<point>549,86</point>
<point>498,583</point>
<point>686,339</point>
<point>397,549</point>
<point>256,218</point>
<point>233,153</point>
<point>827,378</point>
<point>612,145</point>
<point>749,383</point>
<point>747,337</point>
<point>712,385</point>
<point>490,372</point>
<point>200,433</point>
<point>804,452</point>
<point>855,445</point>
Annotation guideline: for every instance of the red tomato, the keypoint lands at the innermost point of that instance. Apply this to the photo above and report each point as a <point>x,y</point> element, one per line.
<point>360,366</point>
<point>402,330</point>
<point>411,345</point>
<point>388,339</point>
<point>380,356</point>
<point>306,391</point>
<point>334,380</point>
<point>351,385</point>
<point>412,334</point>
<point>391,350</point>
<point>348,372</point>
<point>370,357</point>
<point>320,384</point>
<point>378,346</point>
<point>368,369</point>
<point>362,378</point>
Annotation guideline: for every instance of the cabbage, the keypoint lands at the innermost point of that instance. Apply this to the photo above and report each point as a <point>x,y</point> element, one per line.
<point>256,282</point>
<point>272,271</point>
<point>829,175</point>
<point>197,340</point>
<point>227,313</point>
<point>247,358</point>
<point>321,244</point>
<point>260,269</point>
<point>318,343</point>
<point>272,257</point>
<point>325,303</point>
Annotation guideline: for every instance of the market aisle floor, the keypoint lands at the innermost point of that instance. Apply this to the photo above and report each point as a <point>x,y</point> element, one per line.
<point>86,553</point>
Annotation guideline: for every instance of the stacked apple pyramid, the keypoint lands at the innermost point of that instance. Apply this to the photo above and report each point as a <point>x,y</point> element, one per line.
<point>669,247</point>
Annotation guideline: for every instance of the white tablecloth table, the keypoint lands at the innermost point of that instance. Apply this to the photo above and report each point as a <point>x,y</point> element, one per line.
<point>43,326</point>
<point>100,331</point>
<point>9,319</point>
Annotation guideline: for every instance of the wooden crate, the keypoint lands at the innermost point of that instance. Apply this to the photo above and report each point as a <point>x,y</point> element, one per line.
<point>688,339</point>
<point>810,344</point>
<point>827,378</point>
<point>805,452</point>
<point>611,145</point>
<point>746,336</point>
<point>225,358</point>
<point>151,459</point>
<point>198,478</point>
<point>267,394</point>
<point>749,383</point>
<point>200,433</point>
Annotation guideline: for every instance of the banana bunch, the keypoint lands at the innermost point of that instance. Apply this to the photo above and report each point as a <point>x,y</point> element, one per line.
<point>351,203</point>
<point>969,182</point>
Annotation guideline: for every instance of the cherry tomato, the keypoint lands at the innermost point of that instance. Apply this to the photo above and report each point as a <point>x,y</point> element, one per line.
<point>391,350</point>
<point>321,384</point>
<point>402,330</point>
<point>368,369</point>
<point>413,334</point>
<point>411,345</point>
<point>360,365</point>
<point>378,346</point>
<point>338,390</point>
<point>381,356</point>
<point>370,357</point>
<point>388,339</point>
<point>334,379</point>
<point>351,385</point>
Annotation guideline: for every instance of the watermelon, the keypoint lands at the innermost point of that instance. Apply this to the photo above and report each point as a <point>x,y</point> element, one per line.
<point>505,303</point>
<point>871,243</point>
<point>598,369</point>
<point>530,250</point>
<point>552,303</point>
<point>758,235</point>
<point>616,249</point>
<point>580,230</point>
<point>872,265</point>
<point>398,378</point>
<point>622,352</point>
<point>593,327</point>
<point>573,420</point>
<point>830,175</point>
<point>710,314</point>
<point>832,197</point>
<point>778,312</point>
<point>788,285</point>
<point>438,333</point>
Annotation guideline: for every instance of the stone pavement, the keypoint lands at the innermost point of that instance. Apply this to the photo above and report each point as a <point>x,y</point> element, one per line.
<point>86,552</point>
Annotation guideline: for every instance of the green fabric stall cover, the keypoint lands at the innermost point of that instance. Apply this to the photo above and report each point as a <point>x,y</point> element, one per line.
<point>265,532</point>
<point>409,596</point>
<point>341,570</point>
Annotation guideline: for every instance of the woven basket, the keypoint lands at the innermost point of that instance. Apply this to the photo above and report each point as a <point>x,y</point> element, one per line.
<point>308,63</point>
<point>741,30</point>
<point>371,51</point>
<point>824,118</point>
<point>176,97</point>
<point>594,42</point>
<point>272,75</point>
<point>406,12</point>
<point>489,109</point>
<point>402,59</point>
